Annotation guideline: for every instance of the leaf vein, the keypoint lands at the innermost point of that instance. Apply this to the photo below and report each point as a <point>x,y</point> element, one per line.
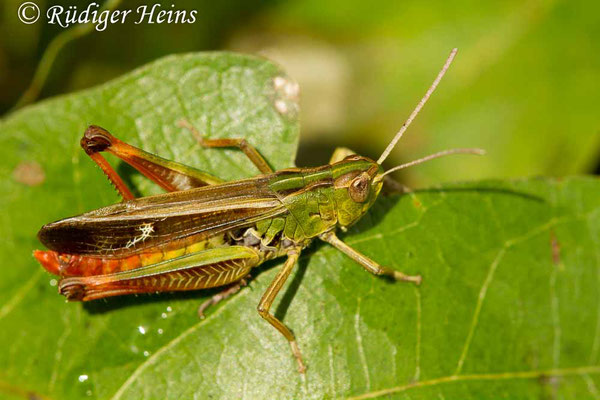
<point>534,374</point>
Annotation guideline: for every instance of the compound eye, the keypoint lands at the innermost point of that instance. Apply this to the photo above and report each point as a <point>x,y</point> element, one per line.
<point>359,188</point>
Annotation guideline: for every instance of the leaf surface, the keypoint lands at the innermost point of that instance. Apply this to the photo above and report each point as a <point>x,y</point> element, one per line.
<point>509,304</point>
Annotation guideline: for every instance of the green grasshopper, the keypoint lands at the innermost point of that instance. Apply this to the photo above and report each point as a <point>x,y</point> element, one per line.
<point>207,233</point>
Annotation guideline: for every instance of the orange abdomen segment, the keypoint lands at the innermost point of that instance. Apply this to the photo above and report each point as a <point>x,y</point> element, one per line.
<point>76,265</point>
<point>65,265</point>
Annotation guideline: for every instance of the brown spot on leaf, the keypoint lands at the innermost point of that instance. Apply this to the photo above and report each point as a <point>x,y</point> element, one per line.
<point>550,385</point>
<point>29,173</point>
<point>555,247</point>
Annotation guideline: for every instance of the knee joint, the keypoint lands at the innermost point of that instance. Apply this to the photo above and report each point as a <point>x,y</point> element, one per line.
<point>262,311</point>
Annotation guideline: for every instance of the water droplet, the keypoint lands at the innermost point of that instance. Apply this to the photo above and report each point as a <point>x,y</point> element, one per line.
<point>169,309</point>
<point>83,378</point>
<point>142,330</point>
<point>163,315</point>
<point>160,331</point>
<point>146,353</point>
<point>88,392</point>
<point>53,282</point>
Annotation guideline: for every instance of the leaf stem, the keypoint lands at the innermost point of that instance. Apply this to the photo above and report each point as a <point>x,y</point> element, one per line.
<point>45,65</point>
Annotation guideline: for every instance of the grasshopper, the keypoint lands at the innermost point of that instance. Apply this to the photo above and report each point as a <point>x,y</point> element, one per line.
<point>207,233</point>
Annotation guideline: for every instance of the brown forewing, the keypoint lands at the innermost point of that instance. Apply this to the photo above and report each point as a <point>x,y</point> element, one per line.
<point>137,225</point>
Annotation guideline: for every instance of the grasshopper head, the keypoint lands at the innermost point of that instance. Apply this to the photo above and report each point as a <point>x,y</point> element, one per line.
<point>356,187</point>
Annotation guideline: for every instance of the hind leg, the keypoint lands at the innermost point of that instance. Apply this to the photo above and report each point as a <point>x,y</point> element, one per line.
<point>169,175</point>
<point>249,150</point>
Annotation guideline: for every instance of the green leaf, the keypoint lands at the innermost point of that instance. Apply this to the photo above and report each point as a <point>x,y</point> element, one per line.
<point>508,306</point>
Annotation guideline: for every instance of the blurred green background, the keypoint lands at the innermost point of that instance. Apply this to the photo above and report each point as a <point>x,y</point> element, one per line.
<point>525,84</point>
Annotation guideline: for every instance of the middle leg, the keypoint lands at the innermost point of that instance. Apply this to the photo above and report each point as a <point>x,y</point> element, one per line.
<point>267,300</point>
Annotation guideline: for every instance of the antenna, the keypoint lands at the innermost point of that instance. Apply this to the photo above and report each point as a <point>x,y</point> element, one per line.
<point>479,152</point>
<point>412,116</point>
